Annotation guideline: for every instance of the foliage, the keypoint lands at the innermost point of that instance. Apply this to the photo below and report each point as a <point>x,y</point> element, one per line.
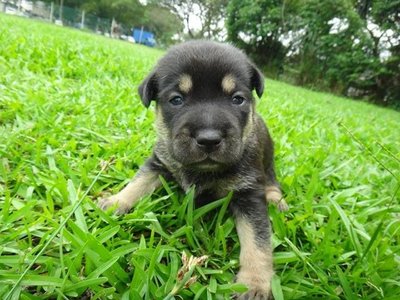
<point>256,27</point>
<point>211,14</point>
<point>132,13</point>
<point>385,13</point>
<point>69,103</point>
<point>333,45</point>
<point>163,23</point>
<point>124,11</point>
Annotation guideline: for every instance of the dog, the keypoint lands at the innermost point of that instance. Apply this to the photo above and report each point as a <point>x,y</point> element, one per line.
<point>209,136</point>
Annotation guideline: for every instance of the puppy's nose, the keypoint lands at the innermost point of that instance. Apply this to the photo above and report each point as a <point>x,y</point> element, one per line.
<point>208,139</point>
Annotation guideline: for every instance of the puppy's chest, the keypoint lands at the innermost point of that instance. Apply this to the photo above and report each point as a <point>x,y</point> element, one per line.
<point>214,185</point>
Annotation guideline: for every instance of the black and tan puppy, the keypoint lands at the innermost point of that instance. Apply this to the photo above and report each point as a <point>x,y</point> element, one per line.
<point>209,135</point>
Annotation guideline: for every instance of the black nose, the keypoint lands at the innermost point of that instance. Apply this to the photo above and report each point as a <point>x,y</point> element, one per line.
<point>208,139</point>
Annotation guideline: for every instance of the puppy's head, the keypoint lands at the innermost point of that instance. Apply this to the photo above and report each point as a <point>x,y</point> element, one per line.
<point>205,107</point>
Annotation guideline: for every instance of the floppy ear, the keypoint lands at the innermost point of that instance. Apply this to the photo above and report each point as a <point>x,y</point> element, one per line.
<point>148,89</point>
<point>257,80</point>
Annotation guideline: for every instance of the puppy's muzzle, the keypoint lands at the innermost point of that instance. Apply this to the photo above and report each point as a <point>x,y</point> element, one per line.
<point>206,137</point>
<point>208,140</point>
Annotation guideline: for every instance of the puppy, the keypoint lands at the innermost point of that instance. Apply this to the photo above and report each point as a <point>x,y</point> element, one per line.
<point>209,136</point>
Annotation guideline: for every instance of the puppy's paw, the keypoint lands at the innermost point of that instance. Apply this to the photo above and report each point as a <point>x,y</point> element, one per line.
<point>258,284</point>
<point>274,195</point>
<point>121,206</point>
<point>282,205</point>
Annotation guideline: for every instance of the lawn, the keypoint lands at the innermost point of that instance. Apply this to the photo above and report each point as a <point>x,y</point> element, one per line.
<point>72,128</point>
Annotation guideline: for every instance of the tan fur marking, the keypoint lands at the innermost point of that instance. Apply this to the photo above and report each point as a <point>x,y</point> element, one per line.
<point>274,195</point>
<point>248,128</point>
<point>256,268</point>
<point>228,83</point>
<point>185,83</point>
<point>161,128</point>
<point>144,183</point>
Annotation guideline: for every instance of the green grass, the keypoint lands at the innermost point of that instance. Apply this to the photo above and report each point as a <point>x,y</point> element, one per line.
<point>72,128</point>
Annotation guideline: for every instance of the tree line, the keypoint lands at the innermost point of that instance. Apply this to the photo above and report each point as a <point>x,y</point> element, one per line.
<point>349,47</point>
<point>159,19</point>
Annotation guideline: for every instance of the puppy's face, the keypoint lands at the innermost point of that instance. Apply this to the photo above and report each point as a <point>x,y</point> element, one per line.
<point>203,92</point>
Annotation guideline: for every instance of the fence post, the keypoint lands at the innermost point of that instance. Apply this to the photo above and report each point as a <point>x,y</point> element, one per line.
<point>51,12</point>
<point>83,19</point>
<point>61,10</point>
<point>97,24</point>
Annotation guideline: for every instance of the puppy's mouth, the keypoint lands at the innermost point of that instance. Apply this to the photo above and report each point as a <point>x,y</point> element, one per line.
<point>208,164</point>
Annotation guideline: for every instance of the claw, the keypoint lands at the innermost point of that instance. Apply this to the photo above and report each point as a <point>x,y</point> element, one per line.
<point>114,202</point>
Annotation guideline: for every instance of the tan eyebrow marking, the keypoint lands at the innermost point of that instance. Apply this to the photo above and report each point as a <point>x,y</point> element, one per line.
<point>228,83</point>
<point>185,83</point>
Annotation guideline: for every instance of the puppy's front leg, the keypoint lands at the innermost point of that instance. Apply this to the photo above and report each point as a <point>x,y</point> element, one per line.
<point>256,266</point>
<point>144,183</point>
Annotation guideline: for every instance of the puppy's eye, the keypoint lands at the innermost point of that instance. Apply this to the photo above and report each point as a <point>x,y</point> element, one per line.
<point>238,100</point>
<point>176,101</point>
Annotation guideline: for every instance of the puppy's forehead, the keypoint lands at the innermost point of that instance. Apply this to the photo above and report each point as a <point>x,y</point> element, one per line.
<point>227,83</point>
<point>199,65</point>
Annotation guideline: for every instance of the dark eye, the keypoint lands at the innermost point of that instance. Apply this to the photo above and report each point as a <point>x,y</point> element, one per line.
<point>176,101</point>
<point>238,100</point>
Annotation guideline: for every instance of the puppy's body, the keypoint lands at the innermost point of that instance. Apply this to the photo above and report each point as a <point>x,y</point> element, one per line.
<point>209,136</point>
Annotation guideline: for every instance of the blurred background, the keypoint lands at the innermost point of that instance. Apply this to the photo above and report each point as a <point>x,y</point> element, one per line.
<point>347,47</point>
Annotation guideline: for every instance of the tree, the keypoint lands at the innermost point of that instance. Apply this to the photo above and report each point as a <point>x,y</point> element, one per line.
<point>385,40</point>
<point>350,47</point>
<point>211,14</point>
<point>124,11</point>
<point>133,13</point>
<point>256,27</point>
<point>329,28</point>
<point>163,23</point>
